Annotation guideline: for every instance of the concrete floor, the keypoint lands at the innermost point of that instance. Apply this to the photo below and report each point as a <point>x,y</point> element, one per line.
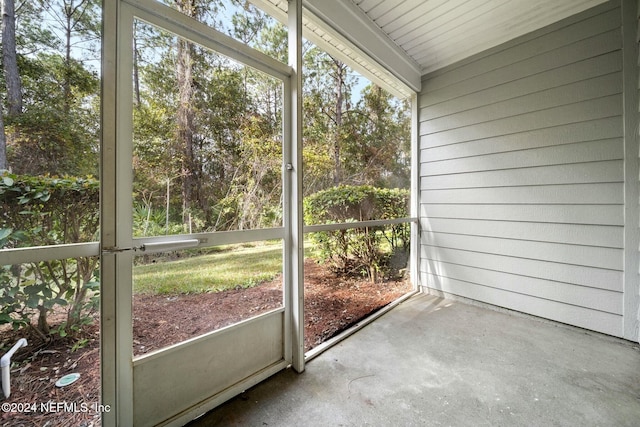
<point>433,362</point>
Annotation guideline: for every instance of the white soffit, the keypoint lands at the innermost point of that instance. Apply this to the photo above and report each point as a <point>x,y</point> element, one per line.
<point>346,33</point>
<point>395,42</point>
<point>437,33</point>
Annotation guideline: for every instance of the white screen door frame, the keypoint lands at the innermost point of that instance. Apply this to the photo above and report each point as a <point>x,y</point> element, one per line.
<point>173,385</point>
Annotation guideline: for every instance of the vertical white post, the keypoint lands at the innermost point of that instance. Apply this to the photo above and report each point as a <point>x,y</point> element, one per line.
<point>108,366</point>
<point>638,40</point>
<point>414,266</point>
<point>115,216</point>
<point>294,21</point>
<point>288,254</point>
<point>631,168</point>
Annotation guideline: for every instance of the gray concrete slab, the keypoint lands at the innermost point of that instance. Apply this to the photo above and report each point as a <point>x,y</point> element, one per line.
<point>435,362</point>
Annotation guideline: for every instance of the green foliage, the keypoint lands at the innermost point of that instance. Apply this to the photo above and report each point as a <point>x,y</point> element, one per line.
<point>225,171</point>
<point>359,249</point>
<point>51,210</point>
<point>148,221</point>
<point>377,140</point>
<point>10,296</point>
<point>44,211</point>
<point>57,133</point>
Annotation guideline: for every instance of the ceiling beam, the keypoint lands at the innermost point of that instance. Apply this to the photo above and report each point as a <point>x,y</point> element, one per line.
<point>353,26</point>
<point>383,62</point>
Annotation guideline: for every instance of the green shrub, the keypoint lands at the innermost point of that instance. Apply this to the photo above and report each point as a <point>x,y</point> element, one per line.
<point>359,249</point>
<point>44,211</point>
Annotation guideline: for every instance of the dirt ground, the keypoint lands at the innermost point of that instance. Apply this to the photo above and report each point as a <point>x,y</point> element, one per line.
<point>332,304</point>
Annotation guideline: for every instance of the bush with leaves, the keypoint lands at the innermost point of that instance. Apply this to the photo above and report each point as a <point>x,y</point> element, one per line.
<point>359,249</point>
<point>45,211</point>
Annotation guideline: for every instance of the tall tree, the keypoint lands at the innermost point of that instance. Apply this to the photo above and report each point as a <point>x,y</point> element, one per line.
<point>136,67</point>
<point>377,145</point>
<point>247,22</point>
<point>328,89</point>
<point>78,22</point>
<point>11,74</point>
<point>3,145</point>
<point>57,131</point>
<point>213,128</point>
<point>48,139</point>
<point>9,59</point>
<point>339,75</point>
<point>185,113</point>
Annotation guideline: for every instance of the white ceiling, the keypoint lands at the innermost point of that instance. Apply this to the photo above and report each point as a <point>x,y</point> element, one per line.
<point>395,42</point>
<point>436,33</point>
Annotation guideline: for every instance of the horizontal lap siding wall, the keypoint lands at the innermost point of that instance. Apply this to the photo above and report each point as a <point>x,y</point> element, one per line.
<point>638,44</point>
<point>522,174</point>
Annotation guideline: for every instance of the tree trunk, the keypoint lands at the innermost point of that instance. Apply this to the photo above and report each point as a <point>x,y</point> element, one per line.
<point>66,85</point>
<point>73,14</point>
<point>185,111</point>
<point>337,177</point>
<point>136,74</point>
<point>340,74</point>
<point>43,323</point>
<point>3,145</point>
<point>9,57</point>
<point>185,120</point>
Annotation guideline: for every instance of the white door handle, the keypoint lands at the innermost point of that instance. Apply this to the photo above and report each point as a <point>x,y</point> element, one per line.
<point>169,245</point>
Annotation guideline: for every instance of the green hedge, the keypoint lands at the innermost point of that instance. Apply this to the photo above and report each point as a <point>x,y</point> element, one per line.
<point>360,250</point>
<point>44,211</point>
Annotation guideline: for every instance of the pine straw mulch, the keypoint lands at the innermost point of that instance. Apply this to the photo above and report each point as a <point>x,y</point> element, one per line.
<point>332,304</point>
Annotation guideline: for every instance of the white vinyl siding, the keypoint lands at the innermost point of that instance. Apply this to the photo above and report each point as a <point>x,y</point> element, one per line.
<point>638,44</point>
<point>522,174</point>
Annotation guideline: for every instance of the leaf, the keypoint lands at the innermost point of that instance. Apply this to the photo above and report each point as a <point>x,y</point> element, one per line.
<point>20,235</point>
<point>32,301</point>
<point>5,232</point>
<point>92,285</point>
<point>49,303</point>
<point>8,181</point>
<point>32,289</point>
<point>60,301</point>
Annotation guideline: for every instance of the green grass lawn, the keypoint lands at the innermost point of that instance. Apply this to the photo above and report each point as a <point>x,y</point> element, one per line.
<point>236,266</point>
